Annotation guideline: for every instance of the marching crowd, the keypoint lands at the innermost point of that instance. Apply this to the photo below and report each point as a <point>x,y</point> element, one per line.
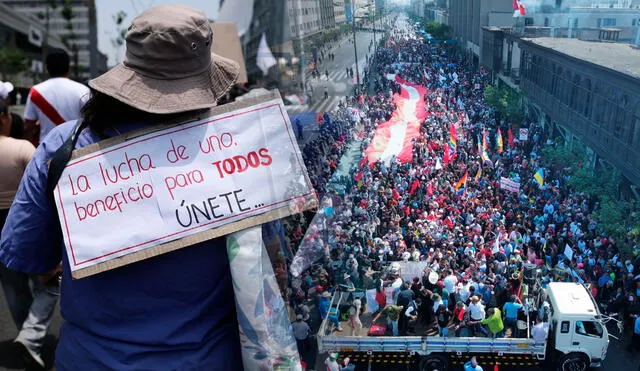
<point>450,211</point>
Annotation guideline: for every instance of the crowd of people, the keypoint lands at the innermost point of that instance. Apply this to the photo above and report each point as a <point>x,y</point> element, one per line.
<point>451,212</point>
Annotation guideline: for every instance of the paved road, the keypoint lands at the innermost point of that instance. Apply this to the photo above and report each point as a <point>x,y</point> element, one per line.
<point>339,84</point>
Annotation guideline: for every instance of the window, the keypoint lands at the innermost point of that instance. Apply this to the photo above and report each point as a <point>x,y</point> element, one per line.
<point>606,22</point>
<point>575,92</point>
<point>564,327</point>
<point>587,101</point>
<point>633,22</point>
<point>589,328</point>
<point>546,21</point>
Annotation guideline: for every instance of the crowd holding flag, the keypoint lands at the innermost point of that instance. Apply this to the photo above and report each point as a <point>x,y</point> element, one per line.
<point>483,153</point>
<point>539,177</point>
<point>453,147</point>
<point>462,183</point>
<point>485,141</point>
<point>519,8</point>
<point>478,174</point>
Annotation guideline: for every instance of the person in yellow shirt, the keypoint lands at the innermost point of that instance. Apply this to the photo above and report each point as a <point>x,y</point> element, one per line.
<point>493,321</point>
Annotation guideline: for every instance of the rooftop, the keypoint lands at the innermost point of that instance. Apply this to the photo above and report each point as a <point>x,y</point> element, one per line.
<point>571,298</point>
<point>623,58</point>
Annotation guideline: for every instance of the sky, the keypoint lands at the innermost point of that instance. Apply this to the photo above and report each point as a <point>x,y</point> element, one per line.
<point>107,27</point>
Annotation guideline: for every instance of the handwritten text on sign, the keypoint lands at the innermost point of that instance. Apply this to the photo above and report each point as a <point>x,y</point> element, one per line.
<point>180,181</point>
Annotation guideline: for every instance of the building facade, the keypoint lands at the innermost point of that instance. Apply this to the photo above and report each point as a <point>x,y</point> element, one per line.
<point>592,91</point>
<point>14,33</point>
<point>267,14</point>
<point>339,12</point>
<point>304,18</point>
<point>327,17</point>
<point>587,92</point>
<point>77,39</point>
<point>418,8</point>
<point>584,22</point>
<point>467,17</point>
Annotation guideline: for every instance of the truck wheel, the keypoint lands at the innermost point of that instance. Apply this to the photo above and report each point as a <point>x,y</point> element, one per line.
<point>573,362</point>
<point>434,363</point>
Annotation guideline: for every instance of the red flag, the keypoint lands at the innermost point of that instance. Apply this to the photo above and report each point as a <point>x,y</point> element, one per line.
<point>510,137</point>
<point>495,367</point>
<point>395,195</point>
<point>515,4</point>
<point>430,189</point>
<point>414,186</point>
<point>523,11</point>
<point>446,157</point>
<point>358,176</point>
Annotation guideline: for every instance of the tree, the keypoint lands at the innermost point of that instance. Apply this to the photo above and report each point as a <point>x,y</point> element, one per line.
<point>506,103</point>
<point>70,39</point>
<point>12,62</point>
<point>121,31</point>
<point>438,30</point>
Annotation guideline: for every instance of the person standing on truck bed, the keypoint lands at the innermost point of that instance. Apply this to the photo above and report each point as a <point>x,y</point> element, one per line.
<point>494,322</point>
<point>511,310</point>
<point>405,296</point>
<point>476,314</point>
<point>393,314</point>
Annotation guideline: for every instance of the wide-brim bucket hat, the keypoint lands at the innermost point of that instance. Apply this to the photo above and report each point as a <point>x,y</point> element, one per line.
<point>169,64</point>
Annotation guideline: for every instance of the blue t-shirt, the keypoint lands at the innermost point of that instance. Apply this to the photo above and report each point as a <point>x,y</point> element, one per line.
<point>174,311</point>
<point>511,310</point>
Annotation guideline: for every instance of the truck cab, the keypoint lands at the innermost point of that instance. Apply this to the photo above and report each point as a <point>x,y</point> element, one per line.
<point>577,334</point>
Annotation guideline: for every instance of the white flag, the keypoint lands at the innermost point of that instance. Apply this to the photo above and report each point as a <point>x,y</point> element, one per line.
<point>438,164</point>
<point>265,59</point>
<point>239,12</point>
<point>568,252</point>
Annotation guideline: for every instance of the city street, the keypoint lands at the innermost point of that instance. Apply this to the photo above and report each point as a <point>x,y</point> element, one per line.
<point>339,84</point>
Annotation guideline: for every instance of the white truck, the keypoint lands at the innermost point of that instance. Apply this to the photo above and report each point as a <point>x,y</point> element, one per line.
<point>578,338</point>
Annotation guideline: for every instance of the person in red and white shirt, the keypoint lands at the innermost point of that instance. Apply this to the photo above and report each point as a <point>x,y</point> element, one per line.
<point>54,101</point>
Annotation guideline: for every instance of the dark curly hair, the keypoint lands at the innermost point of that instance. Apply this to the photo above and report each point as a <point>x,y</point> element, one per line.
<point>103,112</point>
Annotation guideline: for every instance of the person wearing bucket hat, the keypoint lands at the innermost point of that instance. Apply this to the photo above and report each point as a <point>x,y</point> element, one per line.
<point>137,316</point>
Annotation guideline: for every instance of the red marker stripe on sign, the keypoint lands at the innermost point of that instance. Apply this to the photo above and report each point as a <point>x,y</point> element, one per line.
<point>46,107</point>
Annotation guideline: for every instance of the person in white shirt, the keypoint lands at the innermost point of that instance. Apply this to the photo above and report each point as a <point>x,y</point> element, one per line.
<point>476,314</point>
<point>540,331</point>
<point>450,281</point>
<point>54,101</point>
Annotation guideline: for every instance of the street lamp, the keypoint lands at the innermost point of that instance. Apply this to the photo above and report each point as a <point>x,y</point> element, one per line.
<point>355,48</point>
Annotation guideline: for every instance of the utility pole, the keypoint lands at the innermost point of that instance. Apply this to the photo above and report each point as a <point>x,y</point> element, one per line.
<point>355,47</point>
<point>302,59</point>
<point>375,45</point>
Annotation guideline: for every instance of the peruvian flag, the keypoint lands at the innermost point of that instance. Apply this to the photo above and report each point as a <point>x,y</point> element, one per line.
<point>430,189</point>
<point>446,158</point>
<point>414,187</point>
<point>394,137</point>
<point>519,7</point>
